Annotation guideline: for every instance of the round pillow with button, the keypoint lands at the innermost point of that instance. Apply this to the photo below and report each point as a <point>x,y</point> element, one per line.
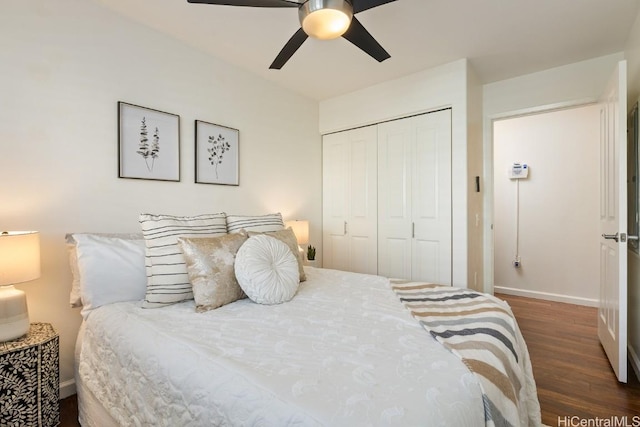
<point>267,270</point>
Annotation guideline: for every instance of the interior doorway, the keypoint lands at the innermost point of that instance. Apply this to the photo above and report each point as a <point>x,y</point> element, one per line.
<point>546,224</point>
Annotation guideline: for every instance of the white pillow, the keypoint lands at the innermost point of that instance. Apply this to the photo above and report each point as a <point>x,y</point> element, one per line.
<point>110,270</point>
<point>260,223</point>
<point>75,298</point>
<point>267,270</point>
<point>168,281</point>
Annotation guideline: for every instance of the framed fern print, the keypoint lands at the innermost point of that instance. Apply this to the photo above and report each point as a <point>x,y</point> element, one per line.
<point>217,154</point>
<point>148,143</point>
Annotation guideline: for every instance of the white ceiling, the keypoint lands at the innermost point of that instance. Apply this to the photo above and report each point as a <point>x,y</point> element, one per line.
<point>501,38</point>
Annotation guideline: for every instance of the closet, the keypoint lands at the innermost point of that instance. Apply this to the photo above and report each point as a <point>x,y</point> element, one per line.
<point>406,190</point>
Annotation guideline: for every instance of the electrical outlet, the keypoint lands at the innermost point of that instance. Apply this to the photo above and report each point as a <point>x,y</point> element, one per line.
<point>517,263</point>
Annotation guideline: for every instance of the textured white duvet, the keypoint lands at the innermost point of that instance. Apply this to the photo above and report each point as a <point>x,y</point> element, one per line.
<point>342,352</point>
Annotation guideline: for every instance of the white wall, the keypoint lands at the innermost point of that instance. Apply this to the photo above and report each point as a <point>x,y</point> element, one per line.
<point>64,66</point>
<point>444,86</point>
<point>474,168</point>
<point>558,202</point>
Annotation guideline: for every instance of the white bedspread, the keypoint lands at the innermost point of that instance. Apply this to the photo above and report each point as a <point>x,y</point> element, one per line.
<point>343,352</point>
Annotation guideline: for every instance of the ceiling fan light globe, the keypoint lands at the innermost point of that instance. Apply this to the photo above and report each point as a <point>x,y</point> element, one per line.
<point>325,19</point>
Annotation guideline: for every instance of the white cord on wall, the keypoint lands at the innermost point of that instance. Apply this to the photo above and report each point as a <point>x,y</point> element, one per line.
<point>516,260</point>
<point>518,171</point>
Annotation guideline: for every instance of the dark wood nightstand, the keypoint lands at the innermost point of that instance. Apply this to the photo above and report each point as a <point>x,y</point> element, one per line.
<point>29,379</point>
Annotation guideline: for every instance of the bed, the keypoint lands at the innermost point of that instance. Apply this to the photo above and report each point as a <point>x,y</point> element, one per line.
<point>344,351</point>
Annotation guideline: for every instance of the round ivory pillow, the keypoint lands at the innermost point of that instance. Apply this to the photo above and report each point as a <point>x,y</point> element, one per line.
<point>267,270</point>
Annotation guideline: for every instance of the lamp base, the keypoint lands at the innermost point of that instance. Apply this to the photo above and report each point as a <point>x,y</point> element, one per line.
<point>14,316</point>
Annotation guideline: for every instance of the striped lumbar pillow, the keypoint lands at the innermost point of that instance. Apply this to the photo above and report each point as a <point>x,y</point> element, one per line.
<point>167,278</point>
<point>259,223</point>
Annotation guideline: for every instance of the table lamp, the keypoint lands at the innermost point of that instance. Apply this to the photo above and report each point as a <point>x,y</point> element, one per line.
<point>19,262</point>
<point>301,230</point>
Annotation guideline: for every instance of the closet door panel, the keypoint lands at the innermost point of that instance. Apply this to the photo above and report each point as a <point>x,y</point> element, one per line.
<point>431,198</point>
<point>363,215</point>
<point>350,207</point>
<point>426,262</point>
<point>394,202</point>
<point>336,252</point>
<point>397,260</point>
<point>335,205</point>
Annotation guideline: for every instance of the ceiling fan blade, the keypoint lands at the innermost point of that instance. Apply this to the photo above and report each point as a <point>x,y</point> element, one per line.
<point>250,3</point>
<point>289,49</point>
<point>362,5</point>
<point>360,37</point>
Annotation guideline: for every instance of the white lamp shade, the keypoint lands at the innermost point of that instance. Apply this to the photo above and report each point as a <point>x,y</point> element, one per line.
<point>19,262</point>
<point>300,229</point>
<point>19,256</point>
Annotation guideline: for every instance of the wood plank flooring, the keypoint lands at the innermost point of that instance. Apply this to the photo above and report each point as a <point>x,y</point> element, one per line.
<point>572,373</point>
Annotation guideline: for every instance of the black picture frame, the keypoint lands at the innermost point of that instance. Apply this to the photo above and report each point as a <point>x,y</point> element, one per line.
<point>217,154</point>
<point>148,143</point>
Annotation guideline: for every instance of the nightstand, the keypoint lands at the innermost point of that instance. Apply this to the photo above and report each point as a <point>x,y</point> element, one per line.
<point>29,379</point>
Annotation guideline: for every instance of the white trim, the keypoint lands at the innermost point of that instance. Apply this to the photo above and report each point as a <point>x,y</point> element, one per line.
<point>67,388</point>
<point>543,109</point>
<point>634,360</point>
<point>547,296</point>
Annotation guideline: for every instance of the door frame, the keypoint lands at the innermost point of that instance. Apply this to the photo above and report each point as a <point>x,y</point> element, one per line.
<point>488,170</point>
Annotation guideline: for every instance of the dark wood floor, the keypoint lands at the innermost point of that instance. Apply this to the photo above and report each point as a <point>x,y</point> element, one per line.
<point>572,373</point>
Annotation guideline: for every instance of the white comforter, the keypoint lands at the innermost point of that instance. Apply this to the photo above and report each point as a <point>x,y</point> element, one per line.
<point>343,352</point>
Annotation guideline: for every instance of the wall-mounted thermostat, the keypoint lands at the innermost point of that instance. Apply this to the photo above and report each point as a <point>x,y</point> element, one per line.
<point>518,171</point>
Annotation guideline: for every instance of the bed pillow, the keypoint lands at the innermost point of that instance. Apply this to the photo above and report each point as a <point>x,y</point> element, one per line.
<point>287,236</point>
<point>75,297</point>
<point>266,270</point>
<point>210,265</point>
<point>109,269</point>
<point>168,280</point>
<point>260,223</point>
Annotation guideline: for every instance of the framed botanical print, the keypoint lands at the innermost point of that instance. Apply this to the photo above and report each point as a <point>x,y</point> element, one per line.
<point>148,143</point>
<point>217,154</point>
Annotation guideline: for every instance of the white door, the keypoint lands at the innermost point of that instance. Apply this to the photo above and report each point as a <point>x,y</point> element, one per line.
<point>414,198</point>
<point>612,311</point>
<point>431,198</point>
<point>335,201</point>
<point>350,200</point>
<point>395,148</point>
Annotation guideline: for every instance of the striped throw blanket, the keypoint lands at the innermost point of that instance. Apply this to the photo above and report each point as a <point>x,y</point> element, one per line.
<point>483,334</point>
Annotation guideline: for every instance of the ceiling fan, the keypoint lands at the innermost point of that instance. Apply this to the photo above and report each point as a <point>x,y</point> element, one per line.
<point>321,19</point>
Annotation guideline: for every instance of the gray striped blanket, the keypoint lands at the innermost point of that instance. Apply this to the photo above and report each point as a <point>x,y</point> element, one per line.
<point>483,333</point>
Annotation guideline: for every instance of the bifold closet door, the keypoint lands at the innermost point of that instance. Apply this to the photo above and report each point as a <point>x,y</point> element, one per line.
<point>350,200</point>
<point>414,198</point>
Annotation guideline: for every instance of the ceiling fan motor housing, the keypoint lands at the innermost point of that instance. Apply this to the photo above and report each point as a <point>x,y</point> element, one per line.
<point>325,19</point>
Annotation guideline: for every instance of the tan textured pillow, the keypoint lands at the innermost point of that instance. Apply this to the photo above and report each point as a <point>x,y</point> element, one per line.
<point>287,236</point>
<point>210,266</point>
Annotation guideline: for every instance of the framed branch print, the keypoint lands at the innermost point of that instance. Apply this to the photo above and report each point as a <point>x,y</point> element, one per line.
<point>148,143</point>
<point>217,154</point>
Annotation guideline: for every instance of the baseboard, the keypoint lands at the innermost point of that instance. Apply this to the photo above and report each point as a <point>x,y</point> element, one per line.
<point>67,388</point>
<point>634,361</point>
<point>546,296</point>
